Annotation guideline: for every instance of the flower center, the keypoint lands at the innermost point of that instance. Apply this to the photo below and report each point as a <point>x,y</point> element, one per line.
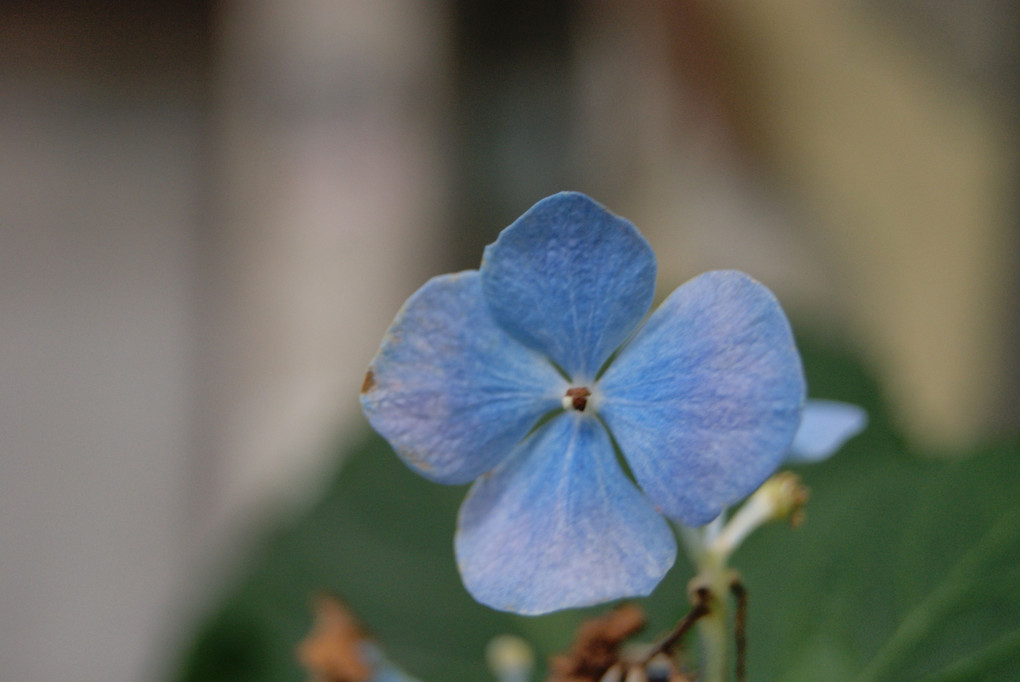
<point>576,399</point>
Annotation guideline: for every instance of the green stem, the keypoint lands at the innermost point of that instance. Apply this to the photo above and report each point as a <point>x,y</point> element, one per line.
<point>713,627</point>
<point>710,547</point>
<point>714,642</point>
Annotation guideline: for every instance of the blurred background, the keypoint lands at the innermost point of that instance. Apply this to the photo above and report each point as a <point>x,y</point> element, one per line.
<point>210,212</point>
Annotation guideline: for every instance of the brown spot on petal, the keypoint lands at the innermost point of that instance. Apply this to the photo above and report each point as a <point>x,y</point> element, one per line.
<point>369,383</point>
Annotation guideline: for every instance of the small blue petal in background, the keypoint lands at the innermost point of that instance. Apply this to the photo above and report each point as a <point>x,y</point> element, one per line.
<point>449,390</point>
<point>558,525</point>
<point>570,279</point>
<point>824,426</point>
<point>385,671</point>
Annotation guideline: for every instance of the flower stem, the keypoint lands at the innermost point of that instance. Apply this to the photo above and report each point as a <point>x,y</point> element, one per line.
<point>710,548</point>
<point>712,629</point>
<point>740,627</point>
<point>700,597</point>
<point>714,581</point>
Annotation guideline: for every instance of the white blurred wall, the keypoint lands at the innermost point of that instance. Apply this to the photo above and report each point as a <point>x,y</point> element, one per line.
<point>194,274</point>
<point>329,155</point>
<point>97,264</point>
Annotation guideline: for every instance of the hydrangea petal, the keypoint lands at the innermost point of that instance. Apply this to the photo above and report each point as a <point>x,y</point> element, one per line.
<point>383,669</point>
<point>449,389</point>
<point>705,400</point>
<point>824,426</point>
<point>558,525</point>
<point>571,280</point>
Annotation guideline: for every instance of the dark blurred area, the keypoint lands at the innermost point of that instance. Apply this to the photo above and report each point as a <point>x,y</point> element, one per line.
<point>211,211</point>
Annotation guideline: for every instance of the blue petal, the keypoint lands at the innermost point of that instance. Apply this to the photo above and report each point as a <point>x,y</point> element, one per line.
<point>559,525</point>
<point>450,391</point>
<point>824,426</point>
<point>570,279</point>
<point>384,669</point>
<point>705,400</point>
<point>387,672</point>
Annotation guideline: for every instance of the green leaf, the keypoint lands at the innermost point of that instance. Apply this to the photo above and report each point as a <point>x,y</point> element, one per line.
<point>906,569</point>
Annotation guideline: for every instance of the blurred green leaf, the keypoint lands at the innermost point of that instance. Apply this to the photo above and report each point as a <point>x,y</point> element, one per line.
<point>907,569</point>
<point>904,570</point>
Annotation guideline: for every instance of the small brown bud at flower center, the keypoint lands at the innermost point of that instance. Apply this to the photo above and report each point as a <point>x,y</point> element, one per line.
<point>578,397</point>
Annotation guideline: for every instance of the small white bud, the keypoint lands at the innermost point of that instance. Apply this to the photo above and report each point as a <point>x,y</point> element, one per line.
<point>510,658</point>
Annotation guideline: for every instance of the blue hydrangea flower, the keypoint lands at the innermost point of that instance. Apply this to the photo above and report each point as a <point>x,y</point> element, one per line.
<point>527,375</point>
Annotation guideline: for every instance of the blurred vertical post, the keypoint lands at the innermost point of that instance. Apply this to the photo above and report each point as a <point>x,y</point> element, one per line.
<point>101,114</point>
<point>906,166</point>
<point>327,141</point>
